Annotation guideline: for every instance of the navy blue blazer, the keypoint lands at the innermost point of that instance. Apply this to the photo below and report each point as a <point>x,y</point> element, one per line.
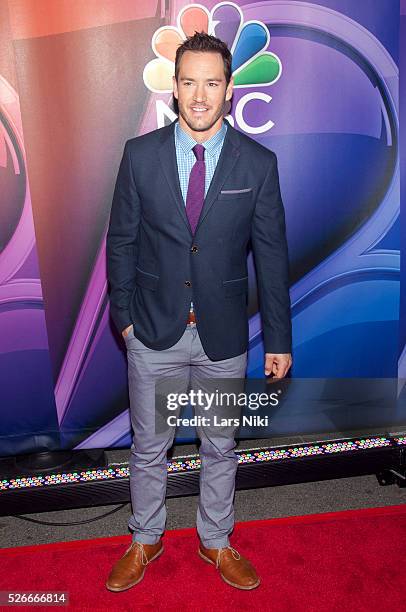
<point>156,267</point>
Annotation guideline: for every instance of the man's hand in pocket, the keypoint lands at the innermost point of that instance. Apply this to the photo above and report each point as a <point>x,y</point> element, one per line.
<point>126,331</point>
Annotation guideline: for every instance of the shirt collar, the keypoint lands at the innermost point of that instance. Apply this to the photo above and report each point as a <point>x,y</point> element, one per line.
<point>212,145</point>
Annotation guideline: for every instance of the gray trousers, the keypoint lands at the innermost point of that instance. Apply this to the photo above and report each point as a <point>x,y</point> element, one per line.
<point>189,366</point>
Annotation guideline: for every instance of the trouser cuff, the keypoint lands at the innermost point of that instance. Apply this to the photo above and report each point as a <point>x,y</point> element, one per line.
<point>216,543</point>
<point>142,538</point>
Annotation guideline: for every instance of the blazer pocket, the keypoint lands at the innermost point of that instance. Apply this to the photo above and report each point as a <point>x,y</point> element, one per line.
<point>236,286</point>
<point>231,194</point>
<point>146,279</point>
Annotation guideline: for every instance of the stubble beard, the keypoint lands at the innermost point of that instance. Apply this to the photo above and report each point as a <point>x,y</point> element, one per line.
<point>201,127</point>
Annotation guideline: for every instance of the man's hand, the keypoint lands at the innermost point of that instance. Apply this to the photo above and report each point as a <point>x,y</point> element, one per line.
<point>126,331</point>
<point>277,364</point>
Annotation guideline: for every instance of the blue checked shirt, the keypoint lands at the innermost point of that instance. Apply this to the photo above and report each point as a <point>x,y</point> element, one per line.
<point>186,158</point>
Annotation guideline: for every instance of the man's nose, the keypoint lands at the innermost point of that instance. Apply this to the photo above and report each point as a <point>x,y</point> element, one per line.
<point>200,94</point>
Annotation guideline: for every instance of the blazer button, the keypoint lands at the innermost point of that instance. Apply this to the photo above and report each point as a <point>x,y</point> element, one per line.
<point>188,283</point>
<point>194,249</point>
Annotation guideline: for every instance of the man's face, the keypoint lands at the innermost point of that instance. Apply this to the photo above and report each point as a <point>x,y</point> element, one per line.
<point>201,91</point>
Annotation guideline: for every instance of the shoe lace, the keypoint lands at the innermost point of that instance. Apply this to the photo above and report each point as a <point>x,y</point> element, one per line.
<point>140,546</point>
<point>234,552</point>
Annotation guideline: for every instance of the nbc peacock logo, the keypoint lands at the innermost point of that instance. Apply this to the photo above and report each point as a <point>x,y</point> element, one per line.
<point>253,64</point>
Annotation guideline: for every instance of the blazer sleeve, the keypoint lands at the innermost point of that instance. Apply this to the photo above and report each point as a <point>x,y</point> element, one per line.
<point>270,249</point>
<point>121,242</point>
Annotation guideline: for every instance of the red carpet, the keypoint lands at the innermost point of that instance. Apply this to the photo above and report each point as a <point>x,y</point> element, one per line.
<point>339,561</point>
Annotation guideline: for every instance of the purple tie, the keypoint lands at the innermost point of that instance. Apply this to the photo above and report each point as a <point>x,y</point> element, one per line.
<point>196,187</point>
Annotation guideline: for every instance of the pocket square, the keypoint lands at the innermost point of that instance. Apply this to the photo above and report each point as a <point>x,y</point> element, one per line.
<point>234,191</point>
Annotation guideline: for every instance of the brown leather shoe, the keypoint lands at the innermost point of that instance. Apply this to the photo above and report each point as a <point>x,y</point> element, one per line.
<point>235,569</point>
<point>130,569</point>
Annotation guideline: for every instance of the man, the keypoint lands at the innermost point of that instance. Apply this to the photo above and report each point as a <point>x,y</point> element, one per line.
<point>188,199</point>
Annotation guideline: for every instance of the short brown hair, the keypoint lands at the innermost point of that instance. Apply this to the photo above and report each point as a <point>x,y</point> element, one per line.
<point>201,41</point>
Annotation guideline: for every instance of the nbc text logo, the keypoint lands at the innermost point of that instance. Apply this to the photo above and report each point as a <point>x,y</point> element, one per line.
<point>252,64</point>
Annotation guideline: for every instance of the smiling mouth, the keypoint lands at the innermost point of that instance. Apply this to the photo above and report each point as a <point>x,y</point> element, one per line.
<point>199,109</point>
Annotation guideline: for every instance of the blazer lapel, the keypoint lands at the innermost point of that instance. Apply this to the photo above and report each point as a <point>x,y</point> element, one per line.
<point>167,156</point>
<point>227,160</point>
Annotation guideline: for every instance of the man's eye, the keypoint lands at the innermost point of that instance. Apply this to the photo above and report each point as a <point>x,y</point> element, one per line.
<point>187,83</point>
<point>213,84</point>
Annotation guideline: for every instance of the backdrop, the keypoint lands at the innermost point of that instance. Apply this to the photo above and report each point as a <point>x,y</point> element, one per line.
<point>317,82</point>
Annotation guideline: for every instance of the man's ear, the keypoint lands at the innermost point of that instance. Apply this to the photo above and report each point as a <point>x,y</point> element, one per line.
<point>175,87</point>
<point>229,90</point>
